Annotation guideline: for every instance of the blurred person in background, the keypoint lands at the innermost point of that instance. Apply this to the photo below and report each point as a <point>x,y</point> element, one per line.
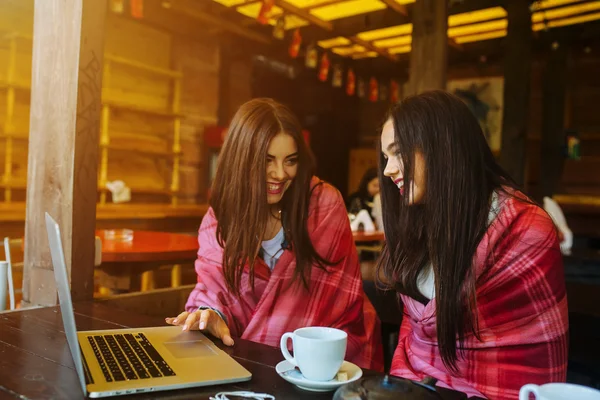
<point>363,198</point>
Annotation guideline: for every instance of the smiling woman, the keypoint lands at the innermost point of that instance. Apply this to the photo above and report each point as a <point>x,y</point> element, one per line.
<point>276,251</point>
<point>476,263</point>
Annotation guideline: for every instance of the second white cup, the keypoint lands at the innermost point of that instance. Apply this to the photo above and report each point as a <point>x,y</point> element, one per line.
<point>558,391</point>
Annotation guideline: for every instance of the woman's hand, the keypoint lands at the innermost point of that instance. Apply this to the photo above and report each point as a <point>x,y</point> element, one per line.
<point>204,320</point>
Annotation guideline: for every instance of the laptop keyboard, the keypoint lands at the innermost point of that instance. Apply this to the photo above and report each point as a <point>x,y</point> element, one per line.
<point>128,357</point>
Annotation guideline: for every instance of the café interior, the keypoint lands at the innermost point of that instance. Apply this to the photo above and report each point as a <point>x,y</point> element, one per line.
<point>113,114</point>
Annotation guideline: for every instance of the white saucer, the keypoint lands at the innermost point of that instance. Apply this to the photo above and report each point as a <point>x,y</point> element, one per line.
<point>288,372</point>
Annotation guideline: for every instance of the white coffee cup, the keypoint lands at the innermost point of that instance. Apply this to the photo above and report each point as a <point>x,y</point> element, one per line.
<point>559,391</point>
<point>318,351</point>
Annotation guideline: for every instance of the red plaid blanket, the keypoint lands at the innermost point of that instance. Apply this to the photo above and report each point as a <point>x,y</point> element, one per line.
<point>522,311</point>
<point>334,299</point>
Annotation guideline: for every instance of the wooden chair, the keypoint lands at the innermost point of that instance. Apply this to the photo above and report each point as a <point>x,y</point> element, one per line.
<point>388,310</point>
<point>584,333</point>
<point>149,278</point>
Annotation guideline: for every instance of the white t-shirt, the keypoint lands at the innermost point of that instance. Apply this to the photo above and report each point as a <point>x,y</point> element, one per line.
<point>272,249</point>
<point>426,281</point>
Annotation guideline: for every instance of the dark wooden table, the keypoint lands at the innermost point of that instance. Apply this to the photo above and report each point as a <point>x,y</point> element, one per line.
<point>35,362</point>
<point>123,262</point>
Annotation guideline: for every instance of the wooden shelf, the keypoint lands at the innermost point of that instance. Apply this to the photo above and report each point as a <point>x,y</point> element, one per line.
<point>25,86</point>
<point>170,111</point>
<point>149,211</point>
<point>153,152</point>
<point>143,190</point>
<point>144,67</point>
<point>142,110</point>
<point>22,185</point>
<point>17,35</point>
<point>577,200</point>
<point>583,136</point>
<point>15,136</point>
<point>16,211</point>
<point>14,185</point>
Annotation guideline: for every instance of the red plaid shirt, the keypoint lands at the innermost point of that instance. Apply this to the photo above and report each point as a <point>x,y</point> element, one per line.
<point>334,299</point>
<point>521,307</point>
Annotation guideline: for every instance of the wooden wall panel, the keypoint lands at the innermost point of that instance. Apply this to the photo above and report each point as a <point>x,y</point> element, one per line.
<point>360,161</point>
<point>23,52</point>
<point>240,89</point>
<point>15,66</point>
<point>17,15</point>
<point>127,166</point>
<point>578,177</point>
<point>20,121</point>
<point>199,61</point>
<point>141,144</point>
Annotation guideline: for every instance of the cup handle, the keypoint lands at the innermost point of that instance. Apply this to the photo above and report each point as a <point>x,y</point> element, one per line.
<point>284,348</point>
<point>527,390</point>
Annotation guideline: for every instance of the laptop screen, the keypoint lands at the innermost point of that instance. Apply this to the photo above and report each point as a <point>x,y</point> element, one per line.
<point>64,295</point>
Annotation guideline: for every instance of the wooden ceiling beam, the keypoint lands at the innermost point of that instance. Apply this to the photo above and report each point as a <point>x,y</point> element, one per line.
<point>369,46</point>
<point>351,26</point>
<point>284,5</point>
<point>324,4</point>
<point>305,11</point>
<point>308,8</point>
<point>328,26</point>
<point>399,8</point>
<point>158,17</point>
<point>452,43</point>
<point>185,7</point>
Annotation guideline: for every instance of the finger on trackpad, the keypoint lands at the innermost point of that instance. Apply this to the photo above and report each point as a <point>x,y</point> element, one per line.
<point>192,348</point>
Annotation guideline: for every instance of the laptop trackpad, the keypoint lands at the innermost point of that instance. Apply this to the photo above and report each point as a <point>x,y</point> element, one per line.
<point>192,348</point>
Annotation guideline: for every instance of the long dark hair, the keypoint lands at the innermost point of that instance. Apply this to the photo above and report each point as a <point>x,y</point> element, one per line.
<point>239,191</point>
<point>445,229</point>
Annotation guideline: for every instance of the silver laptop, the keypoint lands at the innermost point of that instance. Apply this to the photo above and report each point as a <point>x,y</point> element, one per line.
<point>124,361</point>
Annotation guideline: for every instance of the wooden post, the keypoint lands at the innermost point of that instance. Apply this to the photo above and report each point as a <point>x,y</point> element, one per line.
<point>517,79</point>
<point>429,54</point>
<point>553,117</point>
<point>68,48</point>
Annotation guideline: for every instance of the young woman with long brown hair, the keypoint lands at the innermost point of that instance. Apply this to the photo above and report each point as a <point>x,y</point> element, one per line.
<point>276,250</point>
<point>476,263</point>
